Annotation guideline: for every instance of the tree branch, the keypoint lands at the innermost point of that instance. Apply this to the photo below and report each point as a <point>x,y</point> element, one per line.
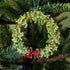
<point>56,58</point>
<point>6,21</point>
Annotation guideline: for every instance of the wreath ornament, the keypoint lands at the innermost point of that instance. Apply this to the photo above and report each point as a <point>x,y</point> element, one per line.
<point>53,35</point>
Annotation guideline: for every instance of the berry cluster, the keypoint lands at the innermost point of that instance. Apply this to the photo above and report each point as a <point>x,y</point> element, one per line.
<point>54,34</point>
<point>19,25</point>
<point>15,36</point>
<point>53,43</point>
<point>46,20</point>
<point>29,17</point>
<point>32,53</point>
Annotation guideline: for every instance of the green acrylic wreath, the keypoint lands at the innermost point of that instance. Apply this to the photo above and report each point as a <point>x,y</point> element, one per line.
<point>39,18</point>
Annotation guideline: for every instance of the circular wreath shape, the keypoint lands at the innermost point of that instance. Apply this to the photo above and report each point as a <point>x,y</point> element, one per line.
<point>53,35</point>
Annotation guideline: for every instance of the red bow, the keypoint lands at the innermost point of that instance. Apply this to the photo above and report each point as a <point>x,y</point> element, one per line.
<point>31,53</point>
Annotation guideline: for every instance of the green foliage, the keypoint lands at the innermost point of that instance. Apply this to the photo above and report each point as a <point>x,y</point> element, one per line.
<point>5,36</point>
<point>7,11</point>
<point>7,53</point>
<point>63,21</point>
<point>66,48</point>
<point>10,55</point>
<point>12,9</point>
<point>37,3</point>
<point>56,7</point>
<point>11,67</point>
<point>60,1</point>
<point>40,66</point>
<point>1,44</point>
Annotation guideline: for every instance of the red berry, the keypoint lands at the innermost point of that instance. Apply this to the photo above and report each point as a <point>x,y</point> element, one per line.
<point>27,18</point>
<point>53,43</point>
<point>18,24</point>
<point>15,37</point>
<point>46,20</point>
<point>30,17</point>
<point>52,34</point>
